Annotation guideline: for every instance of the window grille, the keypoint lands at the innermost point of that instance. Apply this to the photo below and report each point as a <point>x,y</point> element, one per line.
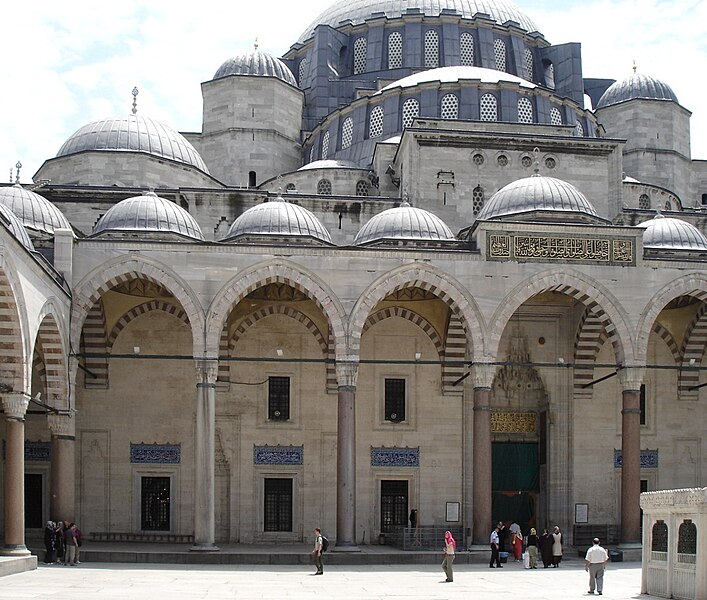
<point>360,49</point>
<point>302,71</point>
<point>528,55</point>
<point>579,129</point>
<point>325,145</point>
<point>155,504</point>
<point>431,49</point>
<point>644,202</point>
<point>449,108</point>
<point>375,125</point>
<point>324,187</point>
<point>395,400</point>
<point>347,133</point>
<point>549,74</point>
<point>477,200</point>
<point>466,49</point>
<point>394,505</point>
<point>395,50</point>
<point>555,116</point>
<point>278,398</point>
<point>291,187</point>
<point>362,188</point>
<point>489,108</point>
<point>525,110</point>
<point>502,160</point>
<point>499,52</point>
<point>478,159</point>
<point>411,109</point>
<point>668,206</point>
<point>687,538</point>
<point>659,537</point>
<point>526,161</point>
<point>550,163</point>
<point>277,509</point>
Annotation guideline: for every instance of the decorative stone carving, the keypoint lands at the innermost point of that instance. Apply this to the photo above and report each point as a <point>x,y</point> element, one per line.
<point>63,425</point>
<point>631,378</point>
<point>347,373</point>
<point>649,459</point>
<point>161,454</point>
<point>15,405</point>
<point>482,375</point>
<point>206,371</point>
<point>395,457</point>
<point>278,455</point>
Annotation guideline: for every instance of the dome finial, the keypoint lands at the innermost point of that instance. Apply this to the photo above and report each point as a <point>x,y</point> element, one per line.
<point>255,45</point>
<point>18,166</point>
<point>135,92</point>
<point>279,189</point>
<point>635,68</point>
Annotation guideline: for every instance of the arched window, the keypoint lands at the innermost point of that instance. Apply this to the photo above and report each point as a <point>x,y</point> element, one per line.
<point>360,49</point>
<point>528,66</point>
<point>466,49</point>
<point>704,199</point>
<point>687,541</point>
<point>311,154</point>
<point>644,202</point>
<point>375,125</point>
<point>291,188</point>
<point>411,109</point>
<point>488,108</point>
<point>346,133</point>
<point>324,187</point>
<point>499,53</point>
<point>668,206</point>
<point>431,49</point>
<point>362,188</point>
<point>549,74</point>
<point>449,109</point>
<point>302,71</point>
<point>252,178</point>
<point>325,146</point>
<point>525,110</point>
<point>477,200</point>
<point>579,129</point>
<point>395,50</point>
<point>659,537</point>
<point>555,116</point>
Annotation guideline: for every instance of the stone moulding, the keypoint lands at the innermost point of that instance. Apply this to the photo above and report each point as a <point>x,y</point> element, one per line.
<point>278,455</point>
<point>395,457</point>
<point>161,454</point>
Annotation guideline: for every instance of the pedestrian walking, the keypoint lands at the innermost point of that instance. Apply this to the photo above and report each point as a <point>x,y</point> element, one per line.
<point>317,552</point>
<point>450,547</point>
<point>594,564</point>
<point>556,547</point>
<point>494,542</point>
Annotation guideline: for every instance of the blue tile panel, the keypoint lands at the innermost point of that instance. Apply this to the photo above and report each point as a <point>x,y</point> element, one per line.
<point>38,451</point>
<point>161,454</point>
<point>278,455</point>
<point>649,459</point>
<point>395,457</point>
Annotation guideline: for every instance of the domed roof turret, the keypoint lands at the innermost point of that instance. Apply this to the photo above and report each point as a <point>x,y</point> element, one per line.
<point>667,233</point>
<point>551,198</point>
<point>404,223</point>
<point>15,226</point>
<point>256,63</point>
<point>33,210</point>
<point>134,133</point>
<point>279,218</point>
<point>149,214</point>
<point>638,85</point>
<point>357,11</point>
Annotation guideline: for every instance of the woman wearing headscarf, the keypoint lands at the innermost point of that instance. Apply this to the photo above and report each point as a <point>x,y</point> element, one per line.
<point>50,543</point>
<point>546,542</point>
<point>556,547</point>
<point>450,547</point>
<point>533,548</point>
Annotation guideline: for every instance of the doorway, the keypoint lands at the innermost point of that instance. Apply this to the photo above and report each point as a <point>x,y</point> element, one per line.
<point>516,483</point>
<point>394,504</point>
<point>34,505</point>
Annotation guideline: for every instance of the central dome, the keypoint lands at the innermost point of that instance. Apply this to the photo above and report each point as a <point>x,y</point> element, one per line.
<point>357,11</point>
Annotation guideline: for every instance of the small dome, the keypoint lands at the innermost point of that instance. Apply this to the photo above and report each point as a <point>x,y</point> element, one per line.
<point>637,85</point>
<point>33,210</point>
<point>537,194</point>
<point>279,218</point>
<point>667,233</point>
<point>134,133</point>
<point>404,222</point>
<point>15,226</point>
<point>256,63</point>
<point>150,214</point>
<point>329,164</point>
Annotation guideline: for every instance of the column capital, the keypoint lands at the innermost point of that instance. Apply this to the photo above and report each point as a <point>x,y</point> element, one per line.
<point>482,375</point>
<point>15,405</point>
<point>347,372</point>
<point>62,425</point>
<point>631,378</point>
<point>206,371</point>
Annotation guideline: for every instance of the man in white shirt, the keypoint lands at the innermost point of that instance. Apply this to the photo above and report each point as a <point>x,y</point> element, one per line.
<point>594,563</point>
<point>494,542</point>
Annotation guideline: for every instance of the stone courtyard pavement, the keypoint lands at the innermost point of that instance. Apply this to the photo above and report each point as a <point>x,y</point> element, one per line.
<point>411,582</point>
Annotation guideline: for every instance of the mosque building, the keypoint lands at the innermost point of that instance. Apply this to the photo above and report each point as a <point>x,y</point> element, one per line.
<point>419,261</point>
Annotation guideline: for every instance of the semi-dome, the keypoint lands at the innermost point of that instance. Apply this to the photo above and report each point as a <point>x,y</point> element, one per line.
<point>15,226</point>
<point>148,214</point>
<point>134,133</point>
<point>404,223</point>
<point>357,11</point>
<point>638,85</point>
<point>667,233</point>
<point>279,218</point>
<point>537,194</point>
<point>256,63</point>
<point>33,210</point>
<point>456,74</point>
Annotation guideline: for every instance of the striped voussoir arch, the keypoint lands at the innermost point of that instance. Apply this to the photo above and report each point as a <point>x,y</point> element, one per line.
<point>142,309</point>
<point>95,339</point>
<point>404,313</point>
<point>454,350</point>
<point>39,371</point>
<point>590,337</point>
<point>669,340</point>
<point>10,336</point>
<point>52,351</point>
<point>693,348</point>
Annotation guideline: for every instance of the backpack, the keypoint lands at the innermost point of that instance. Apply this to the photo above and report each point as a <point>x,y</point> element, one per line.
<point>325,544</point>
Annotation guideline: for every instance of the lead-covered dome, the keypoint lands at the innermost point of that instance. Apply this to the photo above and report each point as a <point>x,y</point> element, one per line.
<point>149,214</point>
<point>134,133</point>
<point>257,63</point>
<point>404,223</point>
<point>15,226</point>
<point>541,196</point>
<point>34,211</point>
<point>357,11</point>
<point>636,86</point>
<point>667,233</point>
<point>278,218</point>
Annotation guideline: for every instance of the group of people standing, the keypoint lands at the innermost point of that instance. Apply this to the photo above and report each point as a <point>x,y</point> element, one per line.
<point>62,542</point>
<point>549,545</point>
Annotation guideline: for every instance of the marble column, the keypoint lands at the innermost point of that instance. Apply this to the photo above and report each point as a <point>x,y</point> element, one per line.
<point>15,406</point>
<point>204,465</point>
<point>62,501</point>
<point>346,373</point>
<point>631,379</point>
<point>482,374</point>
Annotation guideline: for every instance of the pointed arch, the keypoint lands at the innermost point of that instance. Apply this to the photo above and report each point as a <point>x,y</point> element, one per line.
<point>693,349</point>
<point>95,342</point>
<point>51,344</point>
<point>413,317</point>
<point>141,309</point>
<point>589,340</point>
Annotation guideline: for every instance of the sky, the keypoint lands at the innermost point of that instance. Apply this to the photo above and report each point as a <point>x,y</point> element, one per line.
<point>72,62</point>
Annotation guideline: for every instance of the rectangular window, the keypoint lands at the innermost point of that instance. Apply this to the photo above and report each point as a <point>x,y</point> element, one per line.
<point>394,505</point>
<point>278,398</point>
<point>278,505</point>
<point>643,404</point>
<point>395,400</point>
<point>155,504</point>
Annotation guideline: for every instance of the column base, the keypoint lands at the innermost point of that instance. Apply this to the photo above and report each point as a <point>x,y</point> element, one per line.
<point>205,547</point>
<point>15,550</point>
<point>347,547</point>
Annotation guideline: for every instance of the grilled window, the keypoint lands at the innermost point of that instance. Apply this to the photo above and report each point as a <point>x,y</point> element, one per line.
<point>324,187</point>
<point>154,504</point>
<point>489,108</point>
<point>395,400</point>
<point>362,188</point>
<point>347,133</point>
<point>525,110</point>
<point>499,53</point>
<point>449,108</point>
<point>528,66</point>
<point>277,511</point>
<point>411,110</point>
<point>395,50</point>
<point>360,51</point>
<point>466,49</point>
<point>394,505</point>
<point>555,116</point>
<point>278,398</point>
<point>431,49</point>
<point>325,146</point>
<point>375,123</point>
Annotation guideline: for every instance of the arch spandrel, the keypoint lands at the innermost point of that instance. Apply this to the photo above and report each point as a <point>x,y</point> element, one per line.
<point>274,272</point>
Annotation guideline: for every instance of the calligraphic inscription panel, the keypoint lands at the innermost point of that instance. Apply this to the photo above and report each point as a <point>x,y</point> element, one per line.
<point>395,457</point>
<point>583,249</point>
<point>161,454</point>
<point>513,422</point>
<point>278,455</point>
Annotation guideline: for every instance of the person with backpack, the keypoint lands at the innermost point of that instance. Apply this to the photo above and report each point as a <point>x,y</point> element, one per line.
<point>320,545</point>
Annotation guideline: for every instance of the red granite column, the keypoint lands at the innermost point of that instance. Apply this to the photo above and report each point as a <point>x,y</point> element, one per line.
<point>483,378</point>
<point>62,501</point>
<point>347,373</point>
<point>631,378</point>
